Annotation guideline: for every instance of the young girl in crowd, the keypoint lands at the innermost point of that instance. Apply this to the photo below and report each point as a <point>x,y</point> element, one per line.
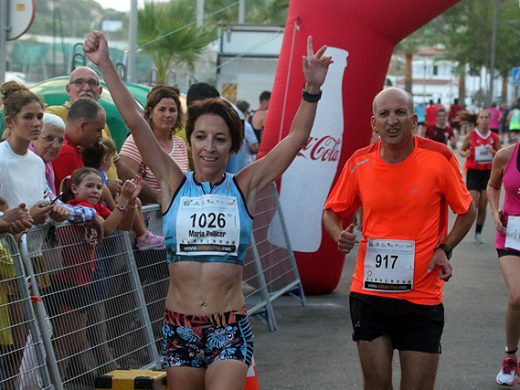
<point>69,306</point>
<point>100,157</point>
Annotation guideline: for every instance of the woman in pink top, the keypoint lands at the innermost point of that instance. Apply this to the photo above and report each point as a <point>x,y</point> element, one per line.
<point>494,122</point>
<point>163,112</point>
<point>506,170</point>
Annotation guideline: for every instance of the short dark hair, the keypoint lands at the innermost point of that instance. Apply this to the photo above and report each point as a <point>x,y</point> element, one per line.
<point>84,108</point>
<point>221,108</point>
<point>265,95</point>
<point>93,155</point>
<point>442,110</point>
<point>472,119</point>
<point>243,106</point>
<point>200,91</point>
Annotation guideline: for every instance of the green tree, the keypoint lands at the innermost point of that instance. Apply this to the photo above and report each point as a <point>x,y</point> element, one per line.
<point>408,48</point>
<point>268,12</point>
<point>257,11</point>
<point>466,31</point>
<point>508,36</point>
<point>167,32</point>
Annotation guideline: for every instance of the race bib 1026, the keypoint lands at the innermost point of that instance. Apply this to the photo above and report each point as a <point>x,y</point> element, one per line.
<point>208,225</point>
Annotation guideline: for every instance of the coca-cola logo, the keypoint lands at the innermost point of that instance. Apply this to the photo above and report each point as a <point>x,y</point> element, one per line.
<point>326,148</point>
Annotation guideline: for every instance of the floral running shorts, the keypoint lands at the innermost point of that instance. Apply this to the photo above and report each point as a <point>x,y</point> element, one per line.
<point>197,341</point>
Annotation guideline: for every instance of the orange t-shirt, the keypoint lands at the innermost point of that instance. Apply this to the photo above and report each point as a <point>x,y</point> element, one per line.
<point>406,201</point>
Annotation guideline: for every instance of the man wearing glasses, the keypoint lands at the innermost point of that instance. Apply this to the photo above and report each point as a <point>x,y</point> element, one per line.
<point>84,83</point>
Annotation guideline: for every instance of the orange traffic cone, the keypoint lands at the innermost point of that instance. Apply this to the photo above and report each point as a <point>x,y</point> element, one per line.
<point>251,379</point>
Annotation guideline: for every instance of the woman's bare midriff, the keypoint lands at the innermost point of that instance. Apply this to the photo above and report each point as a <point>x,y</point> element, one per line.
<point>204,288</point>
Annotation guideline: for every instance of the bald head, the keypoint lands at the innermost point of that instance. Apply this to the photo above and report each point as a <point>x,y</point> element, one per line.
<point>83,82</point>
<point>393,92</point>
<point>82,71</point>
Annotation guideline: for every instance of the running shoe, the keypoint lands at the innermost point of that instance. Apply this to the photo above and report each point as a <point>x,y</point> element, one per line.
<point>507,374</point>
<point>479,239</point>
<point>150,241</point>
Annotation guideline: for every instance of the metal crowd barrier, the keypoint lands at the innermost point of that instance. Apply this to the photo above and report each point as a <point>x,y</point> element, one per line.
<point>278,263</point>
<point>22,363</point>
<point>71,309</point>
<point>94,302</point>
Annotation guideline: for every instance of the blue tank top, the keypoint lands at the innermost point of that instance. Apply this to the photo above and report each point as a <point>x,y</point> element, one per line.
<point>207,224</point>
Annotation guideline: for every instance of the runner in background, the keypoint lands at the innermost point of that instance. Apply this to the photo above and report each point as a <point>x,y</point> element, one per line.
<point>421,119</point>
<point>479,147</point>
<point>506,171</point>
<point>441,132</point>
<point>495,114</point>
<point>453,115</point>
<point>513,122</point>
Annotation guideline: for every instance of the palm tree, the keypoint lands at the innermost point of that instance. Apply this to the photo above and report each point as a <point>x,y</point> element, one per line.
<point>408,47</point>
<point>268,12</point>
<point>167,32</point>
<point>257,11</point>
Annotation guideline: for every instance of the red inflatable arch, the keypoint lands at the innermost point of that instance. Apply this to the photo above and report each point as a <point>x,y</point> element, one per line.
<point>361,35</point>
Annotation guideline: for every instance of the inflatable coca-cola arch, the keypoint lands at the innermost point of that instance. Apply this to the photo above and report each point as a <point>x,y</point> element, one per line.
<point>361,35</point>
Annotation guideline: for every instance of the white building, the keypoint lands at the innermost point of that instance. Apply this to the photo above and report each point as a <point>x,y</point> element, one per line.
<point>435,77</point>
<point>247,60</point>
<point>248,55</point>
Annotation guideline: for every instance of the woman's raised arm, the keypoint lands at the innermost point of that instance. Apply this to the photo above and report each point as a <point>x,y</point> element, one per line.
<point>265,170</point>
<point>163,167</point>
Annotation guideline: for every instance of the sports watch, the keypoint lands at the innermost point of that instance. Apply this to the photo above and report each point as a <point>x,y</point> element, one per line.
<point>447,249</point>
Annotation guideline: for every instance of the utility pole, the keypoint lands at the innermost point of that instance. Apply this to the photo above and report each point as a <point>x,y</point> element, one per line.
<point>200,13</point>
<point>4,15</point>
<point>242,11</point>
<point>492,62</point>
<point>132,42</point>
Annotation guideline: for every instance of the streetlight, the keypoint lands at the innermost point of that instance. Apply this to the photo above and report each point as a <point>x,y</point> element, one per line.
<point>132,42</point>
<point>4,20</point>
<point>493,53</point>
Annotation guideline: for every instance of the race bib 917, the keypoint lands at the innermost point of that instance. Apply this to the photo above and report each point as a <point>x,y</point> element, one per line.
<point>389,265</point>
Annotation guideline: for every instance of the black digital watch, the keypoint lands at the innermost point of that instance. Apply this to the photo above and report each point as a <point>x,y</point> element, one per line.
<point>446,250</point>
